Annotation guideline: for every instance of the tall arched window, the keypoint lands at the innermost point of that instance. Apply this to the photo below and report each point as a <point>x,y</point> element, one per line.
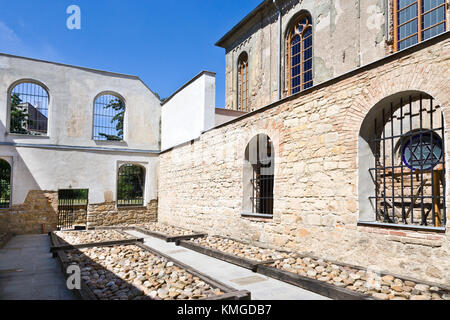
<point>402,152</point>
<point>130,185</point>
<point>300,58</point>
<point>5,184</point>
<point>243,83</point>
<point>418,20</point>
<point>109,114</point>
<point>29,109</point>
<point>259,171</point>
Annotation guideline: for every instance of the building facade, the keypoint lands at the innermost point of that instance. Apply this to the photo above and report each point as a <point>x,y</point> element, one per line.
<point>334,143</point>
<point>88,129</point>
<point>264,51</point>
<point>351,167</point>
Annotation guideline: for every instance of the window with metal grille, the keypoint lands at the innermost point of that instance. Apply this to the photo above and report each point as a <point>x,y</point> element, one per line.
<point>260,155</point>
<point>109,114</point>
<point>243,83</point>
<point>409,171</point>
<point>29,109</point>
<point>72,208</point>
<point>418,20</point>
<point>130,185</point>
<point>5,184</point>
<point>300,58</point>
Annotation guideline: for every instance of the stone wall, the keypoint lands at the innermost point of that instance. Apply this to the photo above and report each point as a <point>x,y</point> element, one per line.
<point>38,214</point>
<point>106,214</point>
<point>315,135</point>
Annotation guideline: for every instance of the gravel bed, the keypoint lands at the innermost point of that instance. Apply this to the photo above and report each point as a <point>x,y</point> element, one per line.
<point>94,236</point>
<point>131,273</point>
<point>166,229</point>
<point>240,249</point>
<point>386,288</point>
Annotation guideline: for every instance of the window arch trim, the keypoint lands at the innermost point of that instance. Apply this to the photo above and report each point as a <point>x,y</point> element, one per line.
<point>129,201</point>
<point>124,127</point>
<point>243,82</point>
<point>303,68</point>
<point>49,105</point>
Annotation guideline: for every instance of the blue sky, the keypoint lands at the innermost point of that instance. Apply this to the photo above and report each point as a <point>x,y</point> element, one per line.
<point>165,43</point>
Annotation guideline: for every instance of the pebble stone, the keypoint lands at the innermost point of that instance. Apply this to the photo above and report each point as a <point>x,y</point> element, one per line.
<point>240,249</point>
<point>165,229</point>
<point>131,273</point>
<point>92,236</point>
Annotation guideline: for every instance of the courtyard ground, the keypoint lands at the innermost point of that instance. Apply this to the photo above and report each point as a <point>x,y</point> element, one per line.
<point>28,271</point>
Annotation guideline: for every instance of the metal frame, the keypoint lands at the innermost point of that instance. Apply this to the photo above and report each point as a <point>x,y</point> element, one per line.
<point>6,203</point>
<point>418,17</point>
<point>243,83</point>
<point>263,185</point>
<point>292,36</point>
<point>106,116</point>
<point>131,199</point>
<point>35,101</point>
<point>68,201</point>
<point>389,200</point>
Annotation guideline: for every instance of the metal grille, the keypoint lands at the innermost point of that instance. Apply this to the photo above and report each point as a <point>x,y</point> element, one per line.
<point>29,109</point>
<point>243,83</point>
<point>109,112</point>
<point>130,186</point>
<point>300,56</point>
<point>70,203</point>
<point>263,178</point>
<point>418,20</point>
<point>409,170</point>
<point>5,184</point>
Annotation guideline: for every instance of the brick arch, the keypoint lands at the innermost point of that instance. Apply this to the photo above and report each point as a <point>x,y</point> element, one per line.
<point>431,80</point>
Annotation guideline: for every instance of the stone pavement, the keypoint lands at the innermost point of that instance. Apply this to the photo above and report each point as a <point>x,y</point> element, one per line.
<point>261,287</point>
<point>28,271</point>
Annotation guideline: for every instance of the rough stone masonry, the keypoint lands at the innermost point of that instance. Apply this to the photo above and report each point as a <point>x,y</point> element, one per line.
<point>315,136</point>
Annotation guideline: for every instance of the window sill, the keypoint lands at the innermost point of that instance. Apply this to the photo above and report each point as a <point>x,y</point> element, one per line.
<point>110,142</point>
<point>257,215</point>
<point>401,226</point>
<point>27,136</point>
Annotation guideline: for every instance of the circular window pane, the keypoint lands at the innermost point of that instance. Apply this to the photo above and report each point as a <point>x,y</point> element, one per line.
<point>422,152</point>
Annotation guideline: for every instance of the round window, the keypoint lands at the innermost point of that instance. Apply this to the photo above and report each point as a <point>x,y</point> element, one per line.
<point>423,151</point>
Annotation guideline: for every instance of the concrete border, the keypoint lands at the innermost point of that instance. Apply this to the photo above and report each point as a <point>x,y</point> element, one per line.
<point>85,292</point>
<point>313,285</point>
<point>230,292</point>
<point>241,262</point>
<point>159,235</point>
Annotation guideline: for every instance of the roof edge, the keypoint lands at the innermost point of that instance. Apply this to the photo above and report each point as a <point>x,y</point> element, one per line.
<point>201,73</point>
<point>103,72</point>
<point>221,42</point>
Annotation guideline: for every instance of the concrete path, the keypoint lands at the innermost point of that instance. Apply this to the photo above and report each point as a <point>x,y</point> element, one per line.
<point>28,271</point>
<point>261,287</point>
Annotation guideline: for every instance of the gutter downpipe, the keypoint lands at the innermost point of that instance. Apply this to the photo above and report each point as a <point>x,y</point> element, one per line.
<point>279,49</point>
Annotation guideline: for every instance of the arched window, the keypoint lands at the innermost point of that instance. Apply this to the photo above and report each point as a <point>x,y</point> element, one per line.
<point>109,114</point>
<point>402,152</point>
<point>243,83</point>
<point>29,109</point>
<point>5,184</point>
<point>418,20</point>
<point>300,58</point>
<point>259,169</point>
<point>130,185</point>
